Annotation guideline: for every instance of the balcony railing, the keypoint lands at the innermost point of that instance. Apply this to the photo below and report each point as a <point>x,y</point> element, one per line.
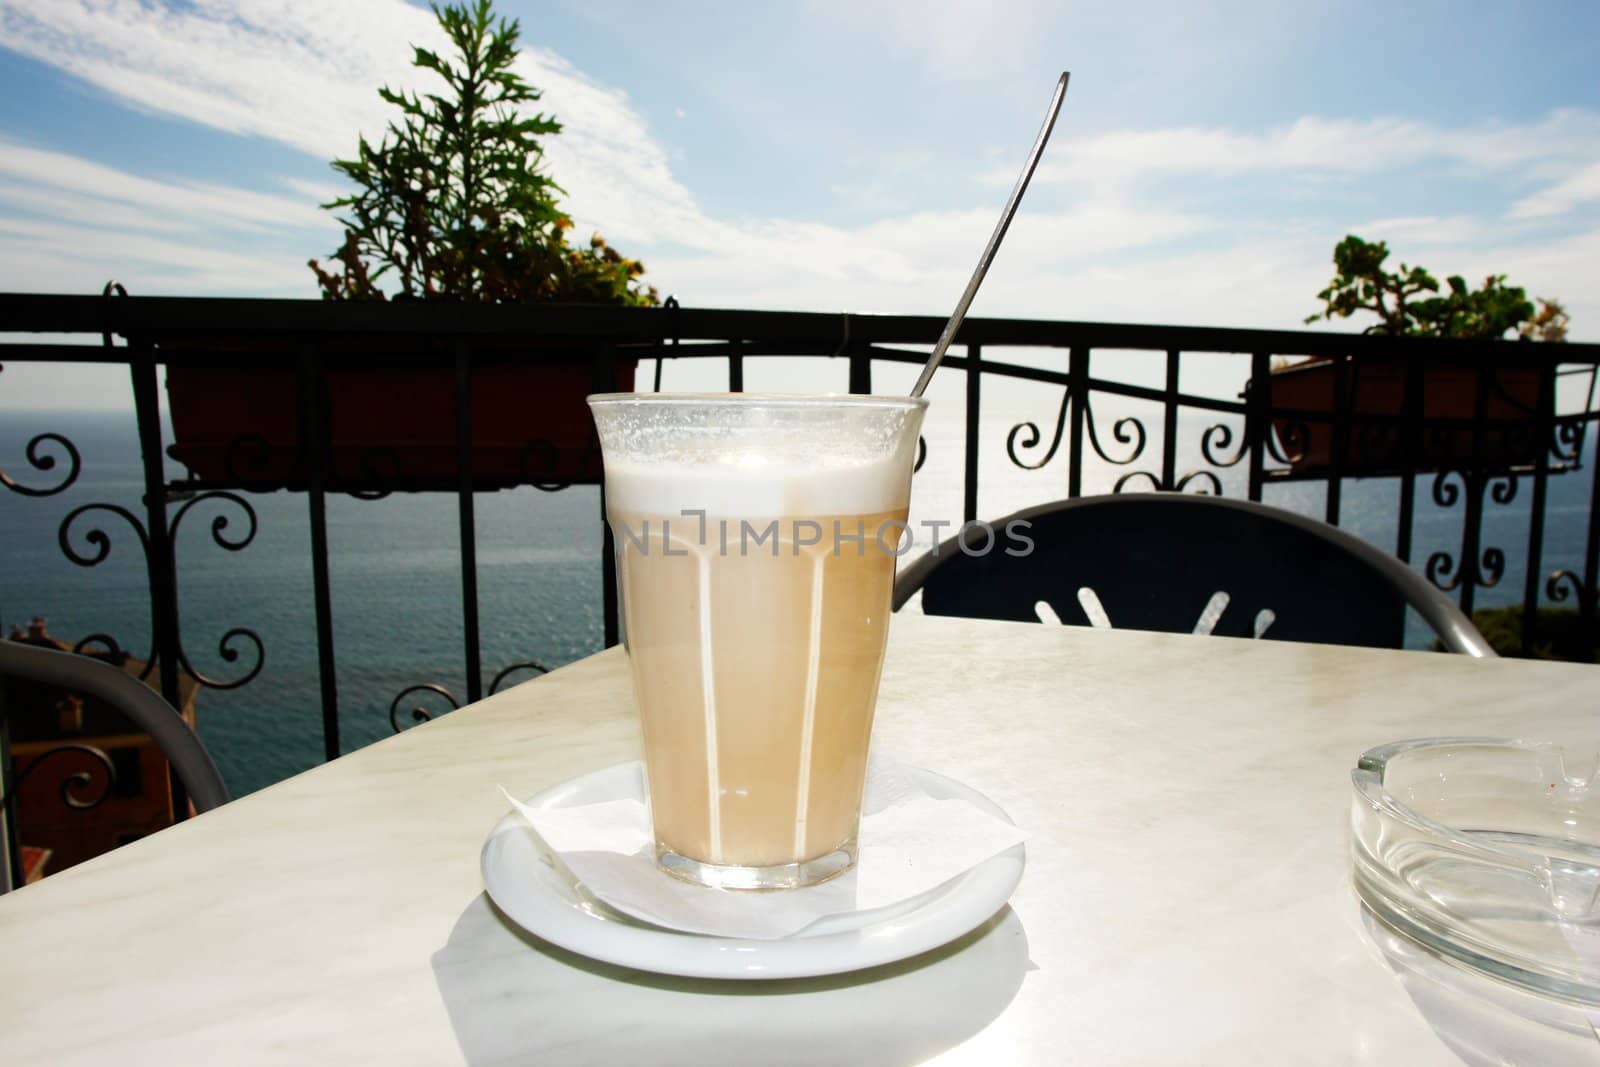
<point>1119,407</point>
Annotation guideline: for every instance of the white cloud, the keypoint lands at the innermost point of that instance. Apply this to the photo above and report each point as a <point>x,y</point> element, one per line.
<point>63,257</point>
<point>315,192</point>
<point>45,201</point>
<point>305,72</point>
<point>1565,268</point>
<point>1581,188</point>
<point>951,37</point>
<point>1409,236</point>
<point>1328,146</point>
<point>302,73</point>
<point>74,187</point>
<point>69,224</point>
<point>294,72</point>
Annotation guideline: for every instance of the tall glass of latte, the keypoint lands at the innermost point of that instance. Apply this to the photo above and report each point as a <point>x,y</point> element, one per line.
<point>756,539</point>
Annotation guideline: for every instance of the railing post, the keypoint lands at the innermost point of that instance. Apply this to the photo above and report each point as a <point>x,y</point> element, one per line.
<point>1339,434</point>
<point>315,437</point>
<point>969,478</point>
<point>1411,438</point>
<point>467,522</point>
<point>670,306</point>
<point>1169,424</point>
<point>1544,422</point>
<point>1078,386</point>
<point>1471,538</point>
<point>860,367</point>
<point>163,577</point>
<point>735,367</point>
<point>604,378</point>
<point>1258,420</point>
<point>1589,595</point>
<point>1476,478</point>
<point>162,560</point>
<point>11,873</point>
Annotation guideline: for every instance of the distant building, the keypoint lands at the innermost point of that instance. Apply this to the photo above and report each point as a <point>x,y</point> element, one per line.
<point>55,832</point>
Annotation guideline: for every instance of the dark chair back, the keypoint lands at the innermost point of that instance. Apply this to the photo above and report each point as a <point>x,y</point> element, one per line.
<point>1157,561</point>
<point>142,705</point>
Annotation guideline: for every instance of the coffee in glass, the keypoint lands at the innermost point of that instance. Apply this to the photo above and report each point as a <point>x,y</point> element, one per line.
<point>756,539</point>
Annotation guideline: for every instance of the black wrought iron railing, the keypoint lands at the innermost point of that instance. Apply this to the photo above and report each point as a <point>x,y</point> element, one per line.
<point>365,399</point>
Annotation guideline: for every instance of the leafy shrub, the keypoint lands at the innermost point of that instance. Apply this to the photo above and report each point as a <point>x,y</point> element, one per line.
<point>454,204</point>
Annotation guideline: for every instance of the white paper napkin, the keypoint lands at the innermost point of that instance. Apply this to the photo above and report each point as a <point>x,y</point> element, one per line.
<point>909,843</point>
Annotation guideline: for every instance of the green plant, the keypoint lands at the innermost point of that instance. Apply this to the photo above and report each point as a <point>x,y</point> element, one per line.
<point>1559,633</point>
<point>1360,283</point>
<point>454,202</point>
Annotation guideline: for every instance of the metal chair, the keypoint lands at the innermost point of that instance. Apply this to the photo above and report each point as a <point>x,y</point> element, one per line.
<point>138,702</point>
<point>1183,563</point>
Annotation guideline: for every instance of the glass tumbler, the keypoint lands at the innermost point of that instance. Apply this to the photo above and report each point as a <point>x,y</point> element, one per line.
<point>756,538</point>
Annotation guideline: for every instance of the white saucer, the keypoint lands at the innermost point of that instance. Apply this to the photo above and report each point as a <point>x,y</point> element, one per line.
<point>528,889</point>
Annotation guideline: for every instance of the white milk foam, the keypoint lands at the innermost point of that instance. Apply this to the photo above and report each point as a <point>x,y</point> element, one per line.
<point>755,456</point>
<point>752,486</point>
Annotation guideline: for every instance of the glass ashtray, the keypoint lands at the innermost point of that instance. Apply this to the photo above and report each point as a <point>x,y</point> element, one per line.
<point>1486,852</point>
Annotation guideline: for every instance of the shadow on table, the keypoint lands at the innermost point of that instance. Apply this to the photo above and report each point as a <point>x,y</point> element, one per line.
<point>1485,1022</point>
<point>513,998</point>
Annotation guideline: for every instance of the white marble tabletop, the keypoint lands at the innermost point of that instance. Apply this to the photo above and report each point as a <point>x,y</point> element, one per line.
<point>1186,897</point>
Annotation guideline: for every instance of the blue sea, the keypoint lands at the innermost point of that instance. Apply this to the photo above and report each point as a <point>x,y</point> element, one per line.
<point>396,580</point>
<point>396,592</point>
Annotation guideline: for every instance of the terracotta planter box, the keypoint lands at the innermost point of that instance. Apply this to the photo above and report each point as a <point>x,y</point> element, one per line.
<point>389,427</point>
<point>1511,434</point>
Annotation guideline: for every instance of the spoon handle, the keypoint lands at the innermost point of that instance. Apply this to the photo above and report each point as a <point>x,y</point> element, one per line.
<point>994,239</point>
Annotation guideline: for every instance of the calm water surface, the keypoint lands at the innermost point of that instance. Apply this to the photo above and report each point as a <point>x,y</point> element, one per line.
<point>396,577</point>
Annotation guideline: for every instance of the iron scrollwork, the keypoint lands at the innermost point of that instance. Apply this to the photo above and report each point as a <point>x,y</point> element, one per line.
<point>1445,493</point>
<point>1120,432</point>
<point>1503,488</point>
<point>219,534</point>
<point>111,651</point>
<point>74,785</point>
<point>1192,476</point>
<point>1440,570</point>
<point>378,464</point>
<point>99,543</point>
<point>1562,585</point>
<point>1215,442</point>
<point>40,460</point>
<point>1567,441</point>
<point>226,649</point>
<point>506,672</point>
<point>1288,441</point>
<point>106,643</point>
<point>1491,567</point>
<point>419,714</point>
<point>219,522</point>
<point>1034,437</point>
<point>1204,478</point>
<point>1487,566</point>
<point>1123,482</point>
<point>539,458</point>
<point>1441,566</point>
<point>1219,435</point>
<point>96,537</point>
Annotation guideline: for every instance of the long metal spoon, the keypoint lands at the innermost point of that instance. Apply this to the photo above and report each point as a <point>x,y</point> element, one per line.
<point>999,234</point>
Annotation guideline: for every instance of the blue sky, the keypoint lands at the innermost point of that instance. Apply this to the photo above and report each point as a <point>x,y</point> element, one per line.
<point>833,155</point>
